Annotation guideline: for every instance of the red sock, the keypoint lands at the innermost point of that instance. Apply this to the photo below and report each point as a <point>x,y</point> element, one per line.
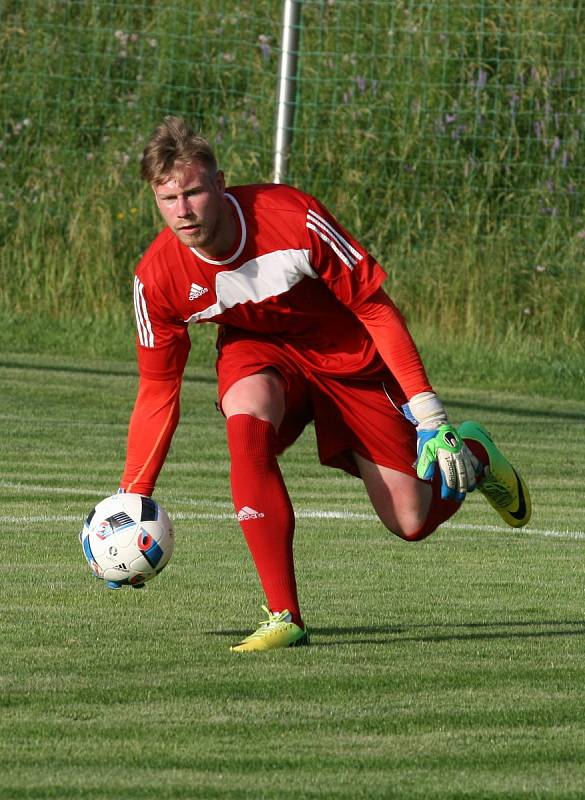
<point>264,509</point>
<point>480,453</point>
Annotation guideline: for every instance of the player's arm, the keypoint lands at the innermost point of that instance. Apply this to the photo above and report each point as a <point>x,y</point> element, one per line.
<point>437,441</point>
<point>163,346</point>
<point>388,329</point>
<point>152,425</point>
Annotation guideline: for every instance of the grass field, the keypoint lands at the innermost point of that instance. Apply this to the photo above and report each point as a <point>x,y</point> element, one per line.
<point>449,669</point>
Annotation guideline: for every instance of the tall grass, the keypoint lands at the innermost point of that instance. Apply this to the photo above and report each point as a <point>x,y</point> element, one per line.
<point>445,136</point>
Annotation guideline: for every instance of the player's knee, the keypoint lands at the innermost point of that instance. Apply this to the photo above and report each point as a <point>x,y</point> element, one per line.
<point>261,395</point>
<point>412,533</point>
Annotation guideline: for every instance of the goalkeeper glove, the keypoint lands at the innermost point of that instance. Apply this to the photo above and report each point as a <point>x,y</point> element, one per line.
<point>438,443</point>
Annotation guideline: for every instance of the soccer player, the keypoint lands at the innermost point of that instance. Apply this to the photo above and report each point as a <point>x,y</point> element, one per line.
<point>306,332</point>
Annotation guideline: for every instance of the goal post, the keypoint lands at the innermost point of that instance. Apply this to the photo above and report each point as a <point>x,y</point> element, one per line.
<point>287,87</point>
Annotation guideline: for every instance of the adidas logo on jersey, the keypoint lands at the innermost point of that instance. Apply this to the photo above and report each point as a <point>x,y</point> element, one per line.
<point>196,291</point>
<point>248,513</point>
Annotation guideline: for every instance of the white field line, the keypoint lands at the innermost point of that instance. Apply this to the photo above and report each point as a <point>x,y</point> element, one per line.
<point>27,487</point>
<point>217,517</point>
<point>24,520</point>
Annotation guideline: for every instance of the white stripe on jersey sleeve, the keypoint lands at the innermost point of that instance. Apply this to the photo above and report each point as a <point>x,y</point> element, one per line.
<point>345,258</point>
<point>352,254</point>
<point>145,334</point>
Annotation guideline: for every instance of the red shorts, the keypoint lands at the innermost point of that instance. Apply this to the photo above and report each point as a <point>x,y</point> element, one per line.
<point>349,414</point>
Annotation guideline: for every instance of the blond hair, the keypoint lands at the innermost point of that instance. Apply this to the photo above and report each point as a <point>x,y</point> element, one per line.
<point>172,148</point>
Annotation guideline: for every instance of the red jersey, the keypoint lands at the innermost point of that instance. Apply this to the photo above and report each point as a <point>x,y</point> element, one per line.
<point>294,274</point>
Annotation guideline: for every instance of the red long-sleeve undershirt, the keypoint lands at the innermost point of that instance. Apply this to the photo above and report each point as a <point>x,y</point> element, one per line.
<point>393,341</point>
<point>152,425</point>
<point>156,411</point>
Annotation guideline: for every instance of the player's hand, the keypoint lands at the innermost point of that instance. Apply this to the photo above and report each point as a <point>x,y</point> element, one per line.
<point>444,448</point>
<point>438,443</point>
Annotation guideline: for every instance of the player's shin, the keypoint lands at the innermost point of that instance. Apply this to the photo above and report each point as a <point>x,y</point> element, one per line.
<point>264,509</point>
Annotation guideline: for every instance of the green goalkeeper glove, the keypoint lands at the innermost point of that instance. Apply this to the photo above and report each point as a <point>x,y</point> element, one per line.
<point>438,443</point>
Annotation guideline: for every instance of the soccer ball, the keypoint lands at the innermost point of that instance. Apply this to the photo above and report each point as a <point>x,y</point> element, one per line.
<point>127,539</point>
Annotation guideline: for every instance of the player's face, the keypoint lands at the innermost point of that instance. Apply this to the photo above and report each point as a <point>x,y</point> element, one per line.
<point>193,205</point>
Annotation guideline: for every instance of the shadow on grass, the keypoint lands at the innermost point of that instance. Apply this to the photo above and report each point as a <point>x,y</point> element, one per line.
<point>397,634</point>
<point>502,408</point>
<point>129,372</point>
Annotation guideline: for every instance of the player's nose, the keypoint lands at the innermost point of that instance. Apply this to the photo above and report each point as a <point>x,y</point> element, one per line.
<point>183,209</point>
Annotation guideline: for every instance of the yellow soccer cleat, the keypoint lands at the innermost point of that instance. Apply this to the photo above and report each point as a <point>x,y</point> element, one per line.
<point>502,486</point>
<point>277,631</point>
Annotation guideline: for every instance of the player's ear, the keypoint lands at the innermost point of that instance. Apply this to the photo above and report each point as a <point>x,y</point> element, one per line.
<point>153,187</point>
<point>220,180</point>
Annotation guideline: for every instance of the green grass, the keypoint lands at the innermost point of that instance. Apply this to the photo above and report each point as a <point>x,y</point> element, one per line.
<point>448,669</point>
<point>518,360</point>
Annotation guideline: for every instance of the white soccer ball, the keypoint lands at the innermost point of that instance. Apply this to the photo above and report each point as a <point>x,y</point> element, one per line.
<point>127,539</point>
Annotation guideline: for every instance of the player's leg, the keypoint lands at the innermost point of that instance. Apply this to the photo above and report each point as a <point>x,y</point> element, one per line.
<point>255,407</point>
<point>413,509</point>
<point>361,430</point>
<point>261,395</point>
<point>401,501</point>
<point>408,507</point>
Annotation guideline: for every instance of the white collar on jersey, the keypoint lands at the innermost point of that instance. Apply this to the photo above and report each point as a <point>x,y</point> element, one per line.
<point>242,240</point>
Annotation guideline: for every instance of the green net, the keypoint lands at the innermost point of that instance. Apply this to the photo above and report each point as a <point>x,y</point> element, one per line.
<point>444,109</point>
<point>446,135</point>
<point>86,78</point>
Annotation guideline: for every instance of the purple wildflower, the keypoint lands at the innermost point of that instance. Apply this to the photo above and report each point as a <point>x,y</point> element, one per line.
<point>264,45</point>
